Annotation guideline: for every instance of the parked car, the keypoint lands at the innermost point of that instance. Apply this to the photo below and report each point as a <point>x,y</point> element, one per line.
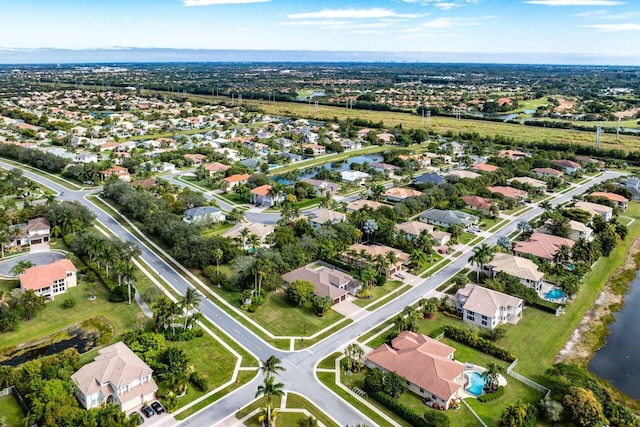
<point>157,407</point>
<point>136,418</point>
<point>401,275</point>
<point>147,411</point>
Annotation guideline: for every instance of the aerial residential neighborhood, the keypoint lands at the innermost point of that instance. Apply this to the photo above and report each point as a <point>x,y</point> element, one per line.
<point>212,238</point>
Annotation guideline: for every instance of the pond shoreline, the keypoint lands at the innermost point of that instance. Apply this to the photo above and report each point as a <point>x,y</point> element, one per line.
<point>594,322</point>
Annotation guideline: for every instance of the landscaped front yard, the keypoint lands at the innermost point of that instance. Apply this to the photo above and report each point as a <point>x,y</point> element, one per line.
<point>10,411</point>
<point>378,292</point>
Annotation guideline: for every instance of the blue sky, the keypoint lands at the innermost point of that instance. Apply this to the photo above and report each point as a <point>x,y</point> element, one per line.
<point>596,28</point>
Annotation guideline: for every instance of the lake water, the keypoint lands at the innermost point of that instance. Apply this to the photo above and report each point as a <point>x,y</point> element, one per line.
<point>82,342</point>
<point>619,360</point>
<point>311,172</point>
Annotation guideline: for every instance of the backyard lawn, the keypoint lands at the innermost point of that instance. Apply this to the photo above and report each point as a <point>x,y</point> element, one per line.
<point>55,317</point>
<point>378,292</point>
<point>10,412</point>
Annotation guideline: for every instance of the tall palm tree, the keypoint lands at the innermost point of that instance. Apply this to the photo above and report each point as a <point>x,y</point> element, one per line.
<point>481,255</point>
<point>563,255</point>
<point>244,233</point>
<point>161,312</point>
<point>217,255</point>
<point>190,300</point>
<point>417,257</point>
<point>270,389</point>
<point>107,254</point>
<point>254,242</point>
<point>271,366</point>
<point>21,266</point>
<point>175,310</point>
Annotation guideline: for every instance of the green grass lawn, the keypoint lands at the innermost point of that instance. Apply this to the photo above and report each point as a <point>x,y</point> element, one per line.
<point>281,318</point>
<point>432,260</point>
<point>378,292</point>
<point>295,401</point>
<point>216,229</point>
<point>10,412</point>
<point>232,197</point>
<point>466,238</point>
<point>55,317</point>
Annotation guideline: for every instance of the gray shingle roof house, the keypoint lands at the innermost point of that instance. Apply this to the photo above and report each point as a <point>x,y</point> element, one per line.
<point>429,178</point>
<point>447,218</point>
<point>204,213</point>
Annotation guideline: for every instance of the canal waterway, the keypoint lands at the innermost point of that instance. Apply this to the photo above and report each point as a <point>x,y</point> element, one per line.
<point>619,360</point>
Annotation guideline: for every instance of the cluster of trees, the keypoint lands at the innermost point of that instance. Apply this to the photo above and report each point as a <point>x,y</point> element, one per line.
<point>46,387</point>
<point>181,315</point>
<point>184,240</point>
<point>300,292</point>
<point>17,305</point>
<point>33,157</point>
<point>111,259</point>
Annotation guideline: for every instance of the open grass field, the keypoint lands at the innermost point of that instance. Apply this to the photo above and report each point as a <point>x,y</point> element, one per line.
<point>11,414</point>
<point>55,317</point>
<point>440,125</point>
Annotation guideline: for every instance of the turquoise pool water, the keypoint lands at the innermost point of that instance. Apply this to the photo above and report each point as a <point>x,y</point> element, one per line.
<point>554,294</point>
<point>476,383</point>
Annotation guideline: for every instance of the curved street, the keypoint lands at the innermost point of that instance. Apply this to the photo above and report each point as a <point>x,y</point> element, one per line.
<point>300,365</point>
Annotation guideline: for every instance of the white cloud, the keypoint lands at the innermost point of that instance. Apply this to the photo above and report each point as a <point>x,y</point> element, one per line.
<point>217,2</point>
<point>446,6</point>
<point>316,23</point>
<point>372,13</point>
<point>443,4</point>
<point>615,27</point>
<point>576,2</point>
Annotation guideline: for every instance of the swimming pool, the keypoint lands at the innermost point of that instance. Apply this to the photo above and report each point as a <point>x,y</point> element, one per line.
<point>554,293</point>
<point>476,383</point>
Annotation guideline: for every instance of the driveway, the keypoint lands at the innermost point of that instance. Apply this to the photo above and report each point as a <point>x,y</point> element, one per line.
<point>348,309</point>
<point>38,258</point>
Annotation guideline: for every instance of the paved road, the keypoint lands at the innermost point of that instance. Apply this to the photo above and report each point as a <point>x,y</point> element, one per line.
<point>300,366</point>
<point>37,258</point>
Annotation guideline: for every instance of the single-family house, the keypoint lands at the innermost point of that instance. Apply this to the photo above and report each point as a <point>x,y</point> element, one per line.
<point>215,168</point>
<point>527,181</point>
<point>231,181</point>
<point>547,172</point>
<point>484,167</point>
<point>441,237</point>
<point>357,177</point>
<point>595,209</point>
<point>509,192</point>
<point>487,308</point>
<point>569,166</point>
<point>348,144</point>
<point>117,375</point>
<point>447,218</point>
<point>85,157</point>
<point>429,178</point>
<point>543,246</point>
<point>633,185</point>
<point>353,255</point>
<point>322,216</point>
<point>327,281</point>
<point>512,154</point>
<point>398,194</point>
<point>35,233</point>
<point>462,174</point>
<point>203,214</point>
<point>262,196</point>
<point>116,171</point>
<point>577,230</point>
<point>426,364</point>
<point>356,205</point>
<point>384,167</point>
<point>477,203</point>
<point>413,229</point>
<point>318,150</point>
<point>196,159</point>
<point>523,269</point>
<point>257,229</point>
<point>322,188</point>
<point>49,280</point>
<point>620,201</point>
<point>386,137</point>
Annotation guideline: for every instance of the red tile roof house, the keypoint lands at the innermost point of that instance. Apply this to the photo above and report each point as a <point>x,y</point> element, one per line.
<point>197,159</point>
<point>544,246</point>
<point>326,280</point>
<point>426,364</point>
<point>398,194</point>
<point>116,375</point>
<point>118,172</point>
<point>509,192</point>
<point>512,154</point>
<point>232,180</point>
<point>49,280</point>
<point>569,166</point>
<point>620,201</point>
<point>487,308</point>
<point>318,150</point>
<point>477,203</point>
<point>262,197</point>
<point>215,168</point>
<point>548,172</point>
<point>483,167</point>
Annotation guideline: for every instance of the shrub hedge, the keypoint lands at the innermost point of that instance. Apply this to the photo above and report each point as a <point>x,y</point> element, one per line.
<point>431,417</point>
<point>492,396</point>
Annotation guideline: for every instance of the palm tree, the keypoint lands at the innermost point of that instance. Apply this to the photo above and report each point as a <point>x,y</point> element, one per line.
<point>21,266</point>
<point>175,310</point>
<point>244,233</point>
<point>271,366</point>
<point>217,255</point>
<point>546,205</point>
<point>392,257</point>
<point>269,390</point>
<point>382,265</point>
<point>505,243</point>
<point>563,255</point>
<point>310,421</point>
<point>491,374</point>
<point>190,300</point>
<point>515,414</point>
<point>161,312</point>
<point>417,257</point>
<point>107,254</point>
<point>481,255</point>
<point>127,273</point>
<point>254,242</point>
<point>274,193</point>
